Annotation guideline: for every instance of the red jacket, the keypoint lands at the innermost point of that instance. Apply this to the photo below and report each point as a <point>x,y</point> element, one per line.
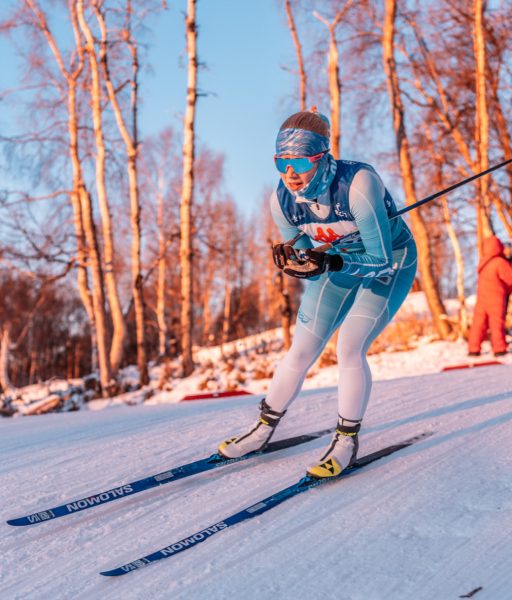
<point>494,273</point>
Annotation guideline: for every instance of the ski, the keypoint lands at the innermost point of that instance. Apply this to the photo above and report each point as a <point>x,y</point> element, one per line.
<point>181,472</point>
<point>304,484</point>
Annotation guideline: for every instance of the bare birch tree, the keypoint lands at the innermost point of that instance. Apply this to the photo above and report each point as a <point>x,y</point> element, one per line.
<point>439,161</point>
<point>88,251</point>
<point>446,105</point>
<point>130,136</point>
<point>186,255</point>
<point>333,74</point>
<point>298,52</point>
<point>161,174</point>
<point>119,327</point>
<point>484,225</point>
<point>163,330</point>
<point>503,134</point>
<point>5,348</point>
<point>429,283</point>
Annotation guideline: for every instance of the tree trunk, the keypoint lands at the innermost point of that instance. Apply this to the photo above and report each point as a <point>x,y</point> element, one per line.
<point>85,228</point>
<point>298,51</point>
<point>333,75</point>
<point>34,366</point>
<point>429,284</point>
<point>501,128</point>
<point>186,257</point>
<point>5,346</point>
<point>132,150</point>
<point>98,291</point>
<point>503,211</point>
<point>163,333</point>
<point>459,262</point>
<point>334,93</point>
<point>445,112</point>
<point>484,225</point>
<point>83,253</point>
<point>99,333</point>
<point>119,327</point>
<point>207,284</point>
<point>447,115</point>
<point>452,235</point>
<point>226,318</point>
<point>78,357</point>
<point>207,317</point>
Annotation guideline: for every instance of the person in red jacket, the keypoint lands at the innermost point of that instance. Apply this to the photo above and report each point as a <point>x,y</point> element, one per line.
<point>493,289</point>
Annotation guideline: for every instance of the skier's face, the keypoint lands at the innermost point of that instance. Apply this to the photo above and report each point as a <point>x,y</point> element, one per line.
<point>296,181</point>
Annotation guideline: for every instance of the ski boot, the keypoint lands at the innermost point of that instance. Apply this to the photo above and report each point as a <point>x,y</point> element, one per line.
<point>257,438</point>
<point>341,453</point>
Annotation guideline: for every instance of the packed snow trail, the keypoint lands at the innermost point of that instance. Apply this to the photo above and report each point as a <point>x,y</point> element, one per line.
<point>433,523</point>
<point>261,506</point>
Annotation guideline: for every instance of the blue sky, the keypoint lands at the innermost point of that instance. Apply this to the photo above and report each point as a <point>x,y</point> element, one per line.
<point>245,45</point>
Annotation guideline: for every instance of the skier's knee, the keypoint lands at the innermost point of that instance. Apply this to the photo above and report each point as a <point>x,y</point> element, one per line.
<point>350,352</point>
<point>301,356</point>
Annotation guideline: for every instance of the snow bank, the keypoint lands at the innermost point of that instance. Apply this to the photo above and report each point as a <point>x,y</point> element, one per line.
<point>248,364</point>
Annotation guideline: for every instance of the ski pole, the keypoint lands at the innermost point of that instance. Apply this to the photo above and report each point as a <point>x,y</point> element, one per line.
<point>325,247</point>
<point>294,240</point>
<point>451,188</point>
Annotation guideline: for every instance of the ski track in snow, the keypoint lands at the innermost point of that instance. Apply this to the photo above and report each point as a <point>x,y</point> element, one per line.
<point>432,521</point>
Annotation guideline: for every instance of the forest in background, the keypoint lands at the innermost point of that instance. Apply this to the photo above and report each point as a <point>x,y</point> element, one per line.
<point>108,256</point>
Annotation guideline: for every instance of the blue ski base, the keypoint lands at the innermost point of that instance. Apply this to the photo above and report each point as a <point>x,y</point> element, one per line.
<point>304,484</point>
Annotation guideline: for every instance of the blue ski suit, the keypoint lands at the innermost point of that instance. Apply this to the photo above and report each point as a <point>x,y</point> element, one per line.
<point>379,265</point>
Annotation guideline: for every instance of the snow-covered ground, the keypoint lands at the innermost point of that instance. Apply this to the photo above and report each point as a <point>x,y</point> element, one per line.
<point>427,357</point>
<point>433,521</point>
<point>248,364</point>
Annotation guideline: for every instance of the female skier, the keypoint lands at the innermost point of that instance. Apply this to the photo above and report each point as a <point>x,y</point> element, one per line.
<point>357,285</point>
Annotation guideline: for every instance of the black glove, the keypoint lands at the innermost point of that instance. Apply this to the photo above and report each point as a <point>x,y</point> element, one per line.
<point>315,264</point>
<point>282,253</point>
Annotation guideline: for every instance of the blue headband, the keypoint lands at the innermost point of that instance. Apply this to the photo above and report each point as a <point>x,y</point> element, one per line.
<point>300,142</point>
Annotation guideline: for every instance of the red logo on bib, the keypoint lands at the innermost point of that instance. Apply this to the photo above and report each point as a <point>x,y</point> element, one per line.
<point>330,236</point>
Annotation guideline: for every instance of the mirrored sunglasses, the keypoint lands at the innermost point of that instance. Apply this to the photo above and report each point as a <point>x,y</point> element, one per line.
<point>299,164</point>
